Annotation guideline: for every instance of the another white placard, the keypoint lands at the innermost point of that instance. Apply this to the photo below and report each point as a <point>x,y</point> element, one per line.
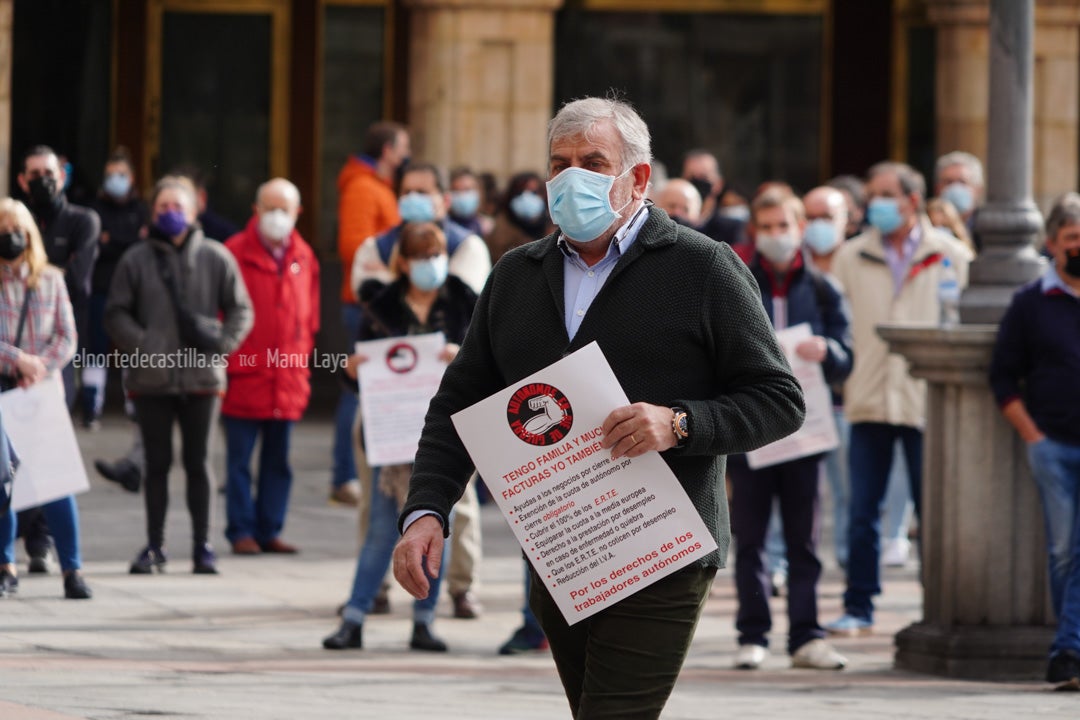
<point>50,464</point>
<point>396,386</point>
<point>818,432</point>
<point>595,529</point>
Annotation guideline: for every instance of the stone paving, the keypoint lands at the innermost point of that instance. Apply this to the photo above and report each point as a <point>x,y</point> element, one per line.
<point>246,644</point>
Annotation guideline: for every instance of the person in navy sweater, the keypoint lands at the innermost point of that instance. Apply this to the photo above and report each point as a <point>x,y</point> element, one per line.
<point>1033,374</point>
<point>793,292</point>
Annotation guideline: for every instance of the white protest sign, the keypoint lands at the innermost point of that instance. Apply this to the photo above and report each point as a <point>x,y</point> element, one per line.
<point>50,465</point>
<point>595,530</point>
<point>818,432</point>
<point>396,386</point>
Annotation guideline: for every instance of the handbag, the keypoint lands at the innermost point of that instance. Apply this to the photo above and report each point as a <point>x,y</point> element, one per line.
<point>9,382</point>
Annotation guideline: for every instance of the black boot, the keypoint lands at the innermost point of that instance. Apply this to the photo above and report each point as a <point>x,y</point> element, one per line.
<point>75,587</point>
<point>349,635</point>
<point>422,639</point>
<point>123,472</point>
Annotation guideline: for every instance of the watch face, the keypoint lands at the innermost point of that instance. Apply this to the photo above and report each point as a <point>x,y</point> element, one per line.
<point>682,424</point>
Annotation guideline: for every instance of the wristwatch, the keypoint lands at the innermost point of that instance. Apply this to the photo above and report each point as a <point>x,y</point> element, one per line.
<point>680,425</point>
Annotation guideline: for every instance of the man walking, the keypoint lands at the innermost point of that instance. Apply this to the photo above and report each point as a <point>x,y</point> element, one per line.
<point>680,320</point>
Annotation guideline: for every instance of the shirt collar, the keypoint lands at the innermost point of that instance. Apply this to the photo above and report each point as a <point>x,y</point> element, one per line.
<point>911,242</point>
<point>624,236</point>
<point>1052,281</point>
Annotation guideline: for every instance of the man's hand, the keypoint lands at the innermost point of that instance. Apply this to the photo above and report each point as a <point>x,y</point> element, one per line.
<point>352,363</point>
<point>423,539</point>
<point>812,349</point>
<point>636,429</point>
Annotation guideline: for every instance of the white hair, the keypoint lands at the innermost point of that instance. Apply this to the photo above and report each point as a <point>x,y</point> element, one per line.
<point>577,118</point>
<point>959,157</point>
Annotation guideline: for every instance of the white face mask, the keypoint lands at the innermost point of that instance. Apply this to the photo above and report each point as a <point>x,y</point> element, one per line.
<point>275,225</point>
<point>777,249</point>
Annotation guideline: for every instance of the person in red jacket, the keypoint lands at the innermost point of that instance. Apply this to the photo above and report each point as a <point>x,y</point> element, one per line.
<point>268,374</point>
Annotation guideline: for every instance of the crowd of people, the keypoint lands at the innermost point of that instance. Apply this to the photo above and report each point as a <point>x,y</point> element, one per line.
<point>712,276</point>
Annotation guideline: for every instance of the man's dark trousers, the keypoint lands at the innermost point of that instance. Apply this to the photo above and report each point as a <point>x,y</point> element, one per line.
<point>645,635</point>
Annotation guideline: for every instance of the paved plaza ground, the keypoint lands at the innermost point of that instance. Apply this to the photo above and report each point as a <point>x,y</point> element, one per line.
<point>246,644</point>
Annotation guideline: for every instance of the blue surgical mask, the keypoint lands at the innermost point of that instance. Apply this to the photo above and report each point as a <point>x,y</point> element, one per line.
<point>528,206</point>
<point>884,214</point>
<point>465,203</point>
<point>429,274</point>
<point>821,236</point>
<point>171,223</point>
<point>580,202</point>
<point>960,195</point>
<point>117,185</point>
<point>416,207</point>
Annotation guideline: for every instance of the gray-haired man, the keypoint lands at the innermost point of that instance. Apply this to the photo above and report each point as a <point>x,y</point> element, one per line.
<point>680,320</point>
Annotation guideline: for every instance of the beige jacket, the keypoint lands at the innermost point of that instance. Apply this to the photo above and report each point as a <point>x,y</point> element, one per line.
<point>880,388</point>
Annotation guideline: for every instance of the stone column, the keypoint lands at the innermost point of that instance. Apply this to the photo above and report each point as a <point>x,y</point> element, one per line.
<point>481,76</point>
<point>1009,222</point>
<point>7,29</point>
<point>986,609</point>
<point>968,107</point>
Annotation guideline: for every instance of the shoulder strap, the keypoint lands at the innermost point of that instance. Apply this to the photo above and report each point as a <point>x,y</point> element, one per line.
<point>22,316</point>
<point>167,277</point>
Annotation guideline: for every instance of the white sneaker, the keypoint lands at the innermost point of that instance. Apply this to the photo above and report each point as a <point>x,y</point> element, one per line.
<point>750,657</point>
<point>778,579</point>
<point>818,655</point>
<point>896,552</point>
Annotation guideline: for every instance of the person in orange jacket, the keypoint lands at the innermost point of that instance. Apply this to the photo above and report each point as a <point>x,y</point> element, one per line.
<point>367,206</point>
<point>269,373</point>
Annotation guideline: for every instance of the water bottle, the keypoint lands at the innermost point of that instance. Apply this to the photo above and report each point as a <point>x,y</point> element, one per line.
<point>949,295</point>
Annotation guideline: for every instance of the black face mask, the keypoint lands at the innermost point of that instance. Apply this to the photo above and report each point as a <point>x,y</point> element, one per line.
<point>12,244</point>
<point>44,194</point>
<point>1072,262</point>
<point>703,186</point>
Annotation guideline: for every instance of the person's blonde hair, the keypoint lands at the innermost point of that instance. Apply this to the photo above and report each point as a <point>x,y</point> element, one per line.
<point>953,221</point>
<point>19,216</point>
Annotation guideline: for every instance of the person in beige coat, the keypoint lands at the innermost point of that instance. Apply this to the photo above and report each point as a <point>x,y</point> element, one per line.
<point>890,274</point>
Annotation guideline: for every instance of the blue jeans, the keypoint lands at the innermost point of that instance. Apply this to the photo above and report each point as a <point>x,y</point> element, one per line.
<point>344,469</point>
<point>263,517</point>
<point>836,472</point>
<point>898,502</point>
<point>375,556</point>
<point>62,517</point>
<point>1056,469</point>
<point>870,460</point>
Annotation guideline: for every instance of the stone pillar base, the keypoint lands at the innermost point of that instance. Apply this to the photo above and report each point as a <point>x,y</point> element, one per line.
<point>975,652</point>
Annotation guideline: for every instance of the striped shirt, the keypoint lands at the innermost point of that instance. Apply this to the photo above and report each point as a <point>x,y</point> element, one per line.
<point>49,331</point>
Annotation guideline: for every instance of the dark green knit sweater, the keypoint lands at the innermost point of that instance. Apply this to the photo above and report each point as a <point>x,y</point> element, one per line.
<point>681,322</point>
